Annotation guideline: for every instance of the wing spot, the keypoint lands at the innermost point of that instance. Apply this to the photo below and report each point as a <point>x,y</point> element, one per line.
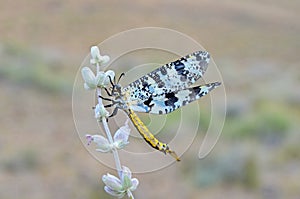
<point>171,99</point>
<point>148,101</point>
<point>163,71</point>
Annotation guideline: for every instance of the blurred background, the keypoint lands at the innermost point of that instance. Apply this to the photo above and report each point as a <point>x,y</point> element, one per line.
<point>255,45</point>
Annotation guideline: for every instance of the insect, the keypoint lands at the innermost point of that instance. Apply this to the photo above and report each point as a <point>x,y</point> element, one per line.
<point>160,92</point>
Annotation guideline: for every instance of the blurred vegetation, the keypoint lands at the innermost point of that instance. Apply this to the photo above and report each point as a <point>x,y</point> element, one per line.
<point>25,161</point>
<point>267,122</point>
<point>232,167</point>
<point>34,69</point>
<point>288,153</point>
<point>249,134</point>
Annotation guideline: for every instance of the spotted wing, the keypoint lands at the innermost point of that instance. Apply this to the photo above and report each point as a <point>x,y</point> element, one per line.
<point>171,101</point>
<point>168,78</point>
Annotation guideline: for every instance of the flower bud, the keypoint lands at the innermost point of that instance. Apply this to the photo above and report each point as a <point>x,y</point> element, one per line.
<point>89,78</point>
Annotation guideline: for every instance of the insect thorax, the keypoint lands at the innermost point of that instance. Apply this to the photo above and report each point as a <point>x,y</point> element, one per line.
<point>120,97</point>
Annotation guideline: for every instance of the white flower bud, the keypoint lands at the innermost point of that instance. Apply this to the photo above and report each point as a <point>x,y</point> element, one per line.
<point>89,78</point>
<point>119,187</point>
<point>121,136</point>
<point>104,59</point>
<point>112,182</point>
<point>108,74</point>
<point>96,58</point>
<point>102,143</point>
<point>95,52</point>
<point>100,112</point>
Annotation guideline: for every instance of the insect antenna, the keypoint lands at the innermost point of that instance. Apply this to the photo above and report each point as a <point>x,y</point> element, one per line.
<point>112,84</point>
<point>110,80</point>
<point>122,74</point>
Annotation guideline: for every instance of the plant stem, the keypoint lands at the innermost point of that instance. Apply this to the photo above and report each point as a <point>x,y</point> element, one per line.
<point>107,131</point>
<point>114,151</point>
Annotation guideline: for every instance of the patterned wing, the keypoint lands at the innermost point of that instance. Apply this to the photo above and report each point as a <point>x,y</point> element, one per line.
<point>170,77</point>
<point>173,100</point>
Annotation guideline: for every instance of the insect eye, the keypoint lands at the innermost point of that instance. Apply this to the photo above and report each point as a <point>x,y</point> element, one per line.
<point>118,87</point>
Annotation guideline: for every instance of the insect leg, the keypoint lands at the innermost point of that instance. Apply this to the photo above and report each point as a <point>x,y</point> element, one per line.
<point>108,93</point>
<point>114,112</point>
<point>109,105</point>
<point>107,99</point>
